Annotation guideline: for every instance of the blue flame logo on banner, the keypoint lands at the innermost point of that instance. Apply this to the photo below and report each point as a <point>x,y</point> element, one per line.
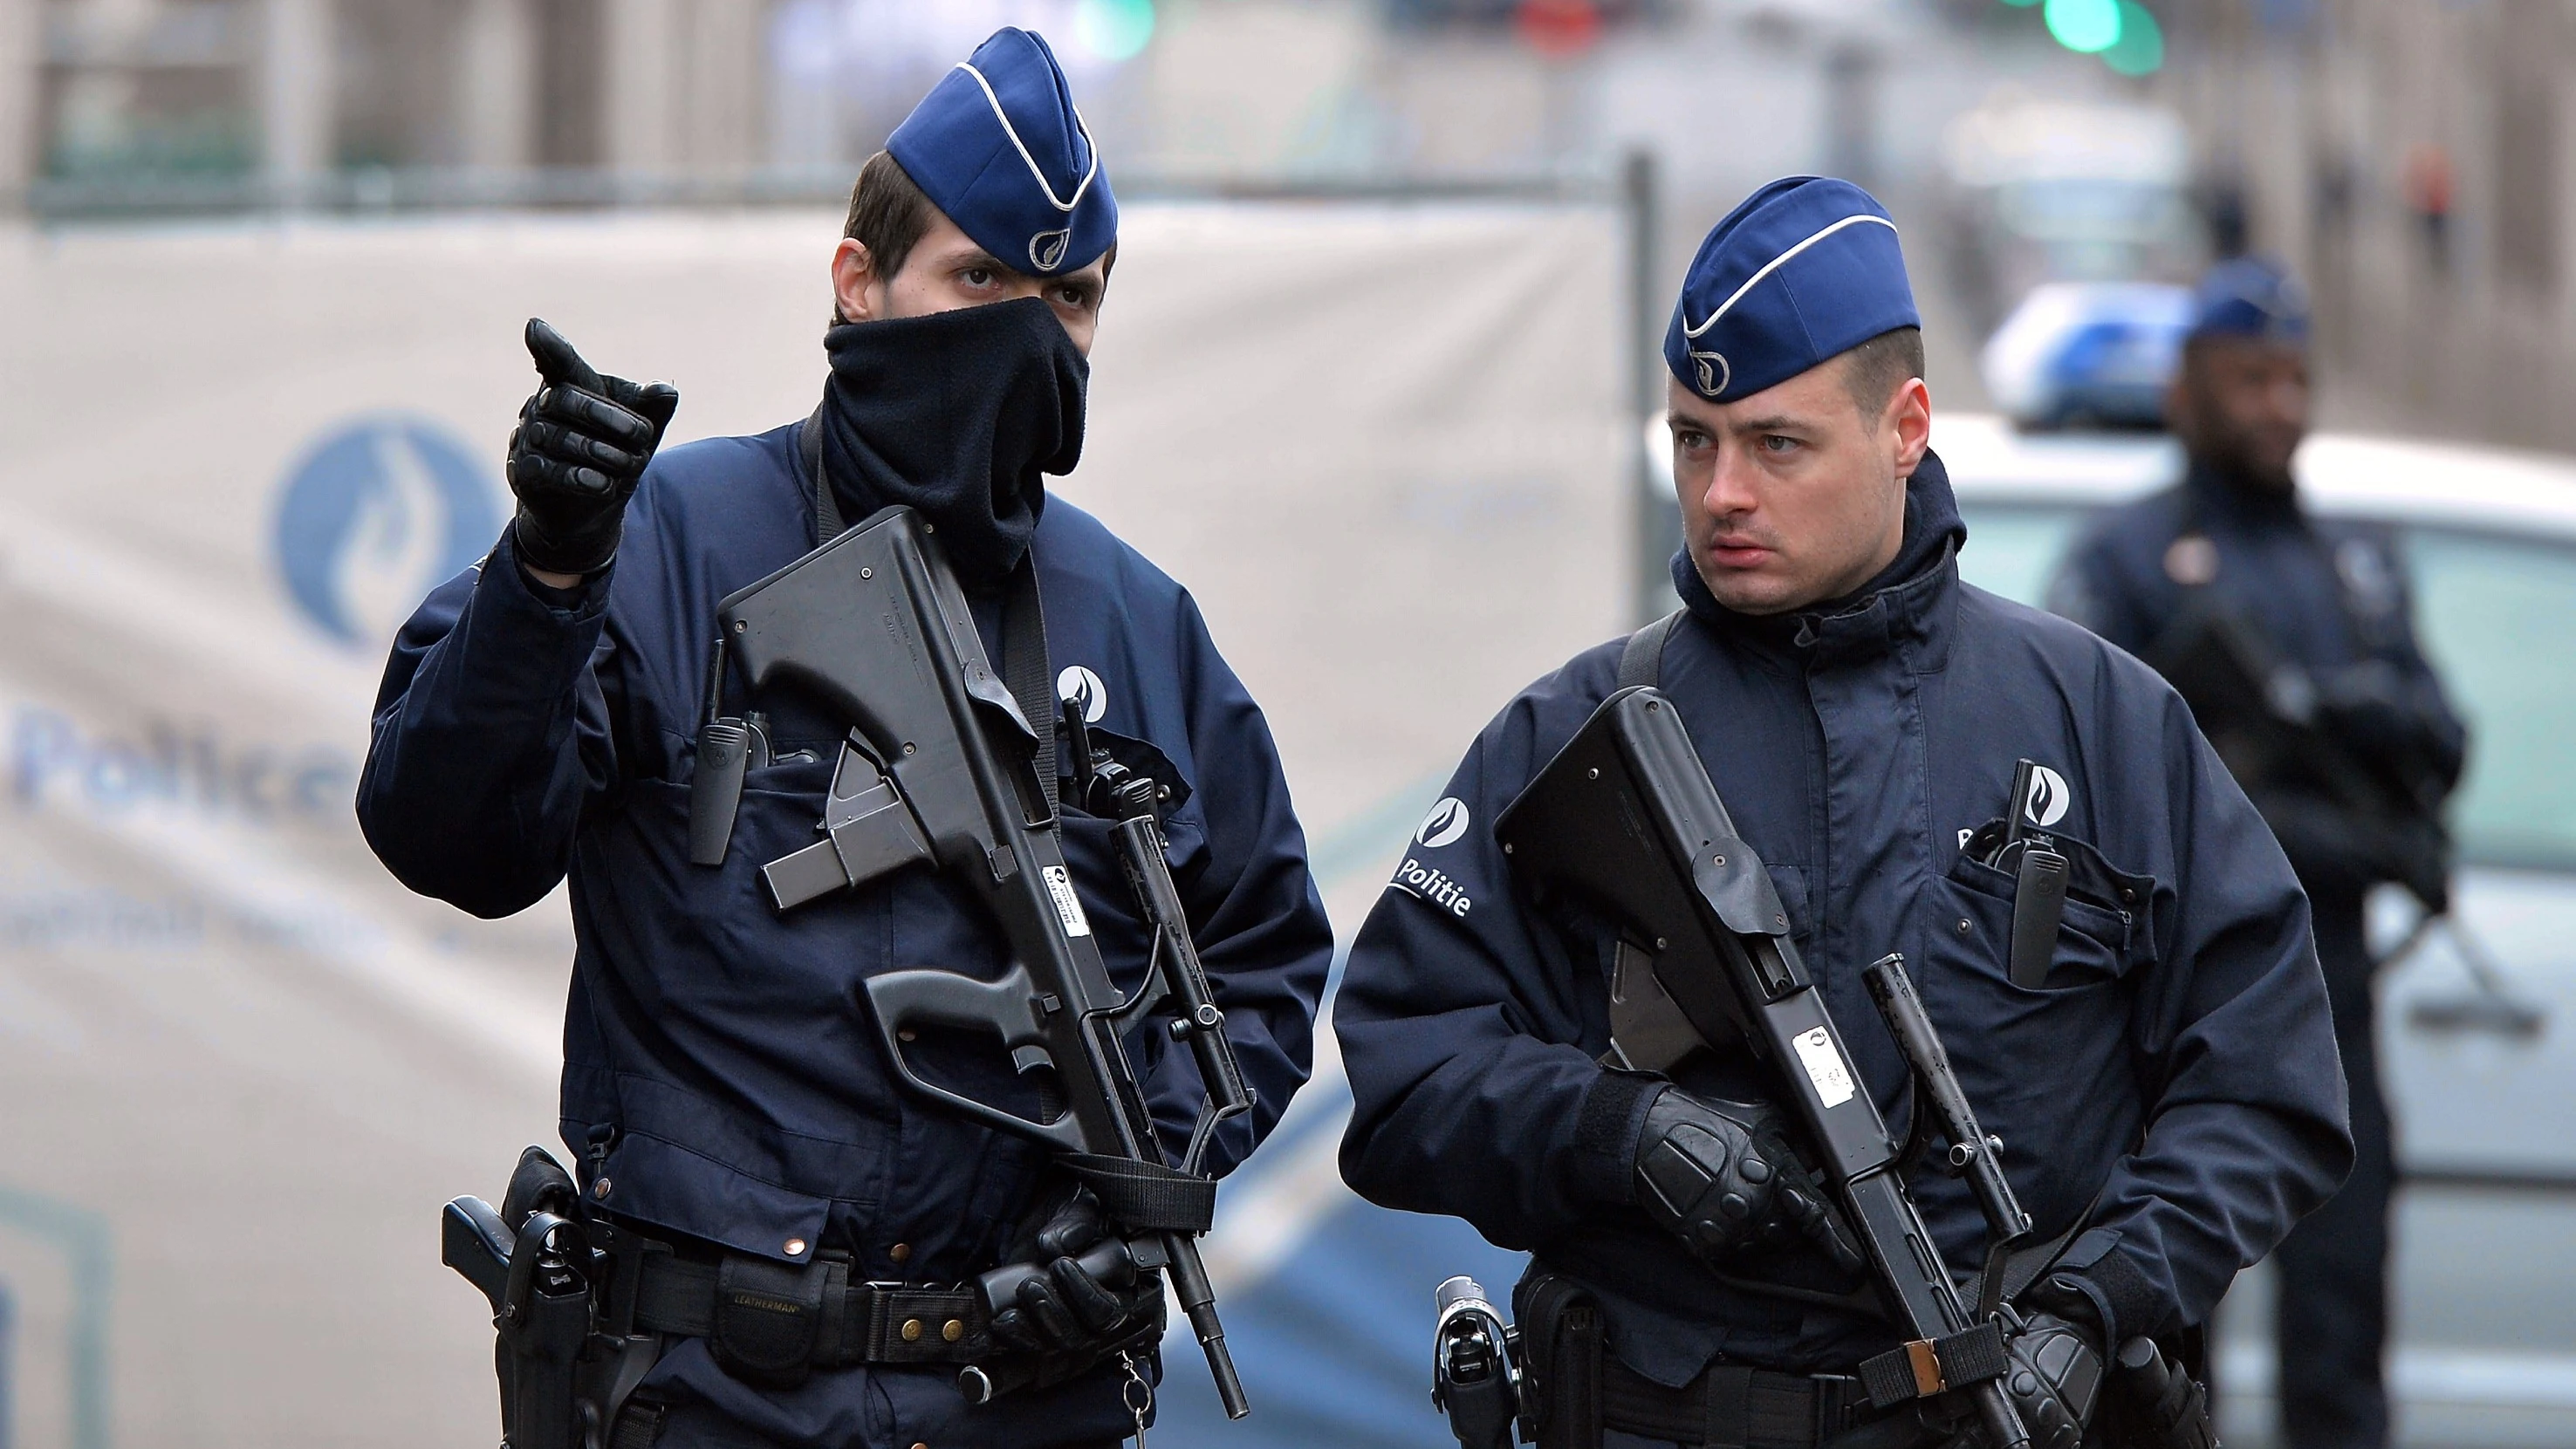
<point>379,512</point>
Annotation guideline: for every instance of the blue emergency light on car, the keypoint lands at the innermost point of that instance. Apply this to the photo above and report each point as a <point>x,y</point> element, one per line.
<point>2089,354</point>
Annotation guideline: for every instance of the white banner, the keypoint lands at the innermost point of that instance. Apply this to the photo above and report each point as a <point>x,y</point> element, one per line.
<point>241,1067</point>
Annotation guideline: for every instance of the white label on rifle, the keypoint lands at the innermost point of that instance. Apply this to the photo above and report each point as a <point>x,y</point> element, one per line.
<point>1824,1066</point>
<point>1069,907</point>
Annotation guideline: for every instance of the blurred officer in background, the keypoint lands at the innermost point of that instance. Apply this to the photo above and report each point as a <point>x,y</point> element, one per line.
<point>2292,639</point>
<point>2167,1096</point>
<point>723,1086</point>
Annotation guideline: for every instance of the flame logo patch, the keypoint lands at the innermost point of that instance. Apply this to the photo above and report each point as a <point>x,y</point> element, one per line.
<point>2049,797</point>
<point>1077,685</point>
<point>1444,825</point>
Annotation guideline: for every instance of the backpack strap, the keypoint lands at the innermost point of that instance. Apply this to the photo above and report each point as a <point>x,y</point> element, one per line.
<point>1642,662</point>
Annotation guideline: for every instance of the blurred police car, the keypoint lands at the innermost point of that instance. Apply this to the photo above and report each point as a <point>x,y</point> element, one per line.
<point>2478,1014</point>
<point>2088,354</point>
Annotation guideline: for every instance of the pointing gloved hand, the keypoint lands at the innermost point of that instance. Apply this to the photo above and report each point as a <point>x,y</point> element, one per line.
<point>1078,1289</point>
<point>2057,1356</point>
<point>582,442</point>
<point>1722,1177</point>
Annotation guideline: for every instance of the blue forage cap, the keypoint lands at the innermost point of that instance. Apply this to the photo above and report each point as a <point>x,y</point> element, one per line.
<point>2250,297</point>
<point>1806,268</point>
<point>998,146</point>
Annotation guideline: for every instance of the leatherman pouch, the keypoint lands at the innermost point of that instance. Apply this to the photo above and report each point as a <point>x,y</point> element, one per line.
<point>1563,1340</point>
<point>768,1318</point>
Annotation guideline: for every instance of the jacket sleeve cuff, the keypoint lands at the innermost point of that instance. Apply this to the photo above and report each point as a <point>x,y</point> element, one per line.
<point>1605,1134</point>
<point>2123,1295</point>
<point>582,601</point>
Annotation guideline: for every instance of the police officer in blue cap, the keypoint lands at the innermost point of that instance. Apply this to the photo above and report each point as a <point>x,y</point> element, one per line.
<point>2291,636</point>
<point>724,1092</point>
<point>2165,1089</point>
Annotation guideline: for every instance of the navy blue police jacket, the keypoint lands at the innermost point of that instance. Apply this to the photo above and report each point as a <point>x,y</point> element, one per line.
<point>2173,1082</point>
<point>722,1049</point>
<point>2327,594</point>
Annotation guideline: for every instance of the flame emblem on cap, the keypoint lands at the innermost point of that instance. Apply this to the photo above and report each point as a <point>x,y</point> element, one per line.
<point>1046,249</point>
<point>1713,379</point>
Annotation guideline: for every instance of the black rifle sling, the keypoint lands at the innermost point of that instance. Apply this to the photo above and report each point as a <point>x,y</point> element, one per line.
<point>1642,662</point>
<point>1025,667</point>
<point>827,509</point>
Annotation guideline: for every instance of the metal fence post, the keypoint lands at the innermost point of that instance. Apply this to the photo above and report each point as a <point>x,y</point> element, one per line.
<point>1658,519</point>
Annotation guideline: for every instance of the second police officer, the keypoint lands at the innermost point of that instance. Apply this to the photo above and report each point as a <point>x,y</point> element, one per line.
<point>722,1087</point>
<point>2168,1096</point>
<point>2362,750</point>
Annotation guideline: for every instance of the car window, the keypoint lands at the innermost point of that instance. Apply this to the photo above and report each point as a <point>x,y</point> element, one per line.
<point>2493,613</point>
<point>2013,548</point>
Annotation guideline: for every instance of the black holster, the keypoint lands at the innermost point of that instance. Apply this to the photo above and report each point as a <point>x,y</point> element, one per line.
<point>1562,1343</point>
<point>568,1367</point>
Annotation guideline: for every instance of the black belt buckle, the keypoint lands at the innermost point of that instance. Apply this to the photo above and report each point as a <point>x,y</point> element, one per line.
<point>618,1288</point>
<point>1838,1399</point>
<point>768,1318</point>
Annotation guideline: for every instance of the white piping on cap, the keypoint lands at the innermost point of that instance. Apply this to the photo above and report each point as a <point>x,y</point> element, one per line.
<point>1008,130</point>
<point>1768,268</point>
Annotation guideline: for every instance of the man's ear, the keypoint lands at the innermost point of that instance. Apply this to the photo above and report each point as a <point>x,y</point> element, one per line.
<point>1909,415</point>
<point>856,288</point>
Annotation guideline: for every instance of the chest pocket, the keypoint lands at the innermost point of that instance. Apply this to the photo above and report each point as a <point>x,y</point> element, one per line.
<point>2048,1067</point>
<point>2105,932</point>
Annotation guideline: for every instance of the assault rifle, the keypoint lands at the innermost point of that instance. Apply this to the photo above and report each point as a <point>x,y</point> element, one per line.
<point>1625,821</point>
<point>2260,713</point>
<point>940,768</point>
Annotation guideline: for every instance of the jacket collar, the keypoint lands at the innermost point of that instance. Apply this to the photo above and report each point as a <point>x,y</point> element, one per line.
<point>1908,605</point>
<point>2216,498</point>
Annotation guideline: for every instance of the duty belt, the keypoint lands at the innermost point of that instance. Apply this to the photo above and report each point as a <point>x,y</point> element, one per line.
<point>1730,1406</point>
<point>776,1322</point>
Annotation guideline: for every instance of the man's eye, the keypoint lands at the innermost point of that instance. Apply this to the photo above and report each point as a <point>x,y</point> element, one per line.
<point>1690,442</point>
<point>1074,297</point>
<point>1778,442</point>
<point>976,276</point>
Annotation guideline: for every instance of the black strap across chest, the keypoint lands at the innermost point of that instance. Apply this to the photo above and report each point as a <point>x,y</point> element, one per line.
<point>1642,662</point>
<point>1026,668</point>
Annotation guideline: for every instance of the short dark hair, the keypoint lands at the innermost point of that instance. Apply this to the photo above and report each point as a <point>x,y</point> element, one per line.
<point>1875,369</point>
<point>889,215</point>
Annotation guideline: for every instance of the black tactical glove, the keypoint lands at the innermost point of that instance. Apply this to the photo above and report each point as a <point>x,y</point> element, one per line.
<point>1080,1291</point>
<point>582,442</point>
<point>2156,1404</point>
<point>2057,1355</point>
<point>1721,1176</point>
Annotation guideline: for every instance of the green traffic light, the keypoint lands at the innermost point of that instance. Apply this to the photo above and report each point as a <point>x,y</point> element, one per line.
<point>2085,26</point>
<point>1114,30</point>
<point>2140,50</point>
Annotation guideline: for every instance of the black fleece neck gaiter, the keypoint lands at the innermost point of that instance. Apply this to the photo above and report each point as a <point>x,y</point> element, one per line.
<point>959,415</point>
